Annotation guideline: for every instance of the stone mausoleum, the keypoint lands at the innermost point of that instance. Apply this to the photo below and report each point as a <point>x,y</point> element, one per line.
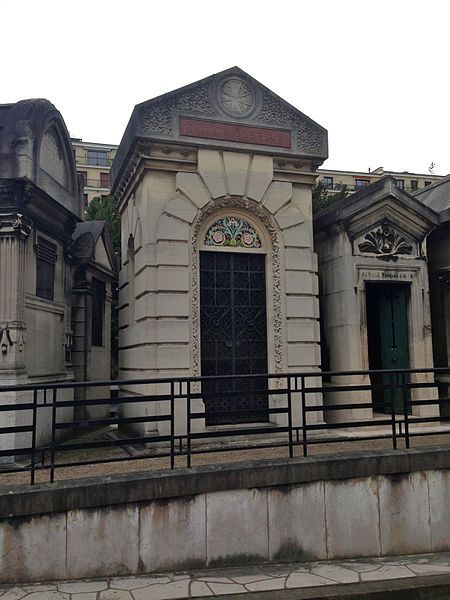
<point>219,274</point>
<point>55,271</point>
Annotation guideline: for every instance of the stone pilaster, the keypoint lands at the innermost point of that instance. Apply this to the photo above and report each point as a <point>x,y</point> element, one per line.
<point>14,232</point>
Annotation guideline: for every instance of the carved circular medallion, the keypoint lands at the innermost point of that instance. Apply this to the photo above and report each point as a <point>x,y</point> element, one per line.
<point>236,97</point>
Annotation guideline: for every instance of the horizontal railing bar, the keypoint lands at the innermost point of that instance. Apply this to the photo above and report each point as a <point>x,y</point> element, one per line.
<point>348,424</point>
<point>110,443</point>
<point>330,407</point>
<point>118,400</point>
<point>16,451</point>
<point>112,421</point>
<point>16,429</point>
<point>237,412</point>
<point>387,436</point>
<point>15,407</point>
<point>425,402</point>
<point>199,379</point>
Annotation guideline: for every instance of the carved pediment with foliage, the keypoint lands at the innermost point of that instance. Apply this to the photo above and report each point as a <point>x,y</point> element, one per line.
<point>387,242</point>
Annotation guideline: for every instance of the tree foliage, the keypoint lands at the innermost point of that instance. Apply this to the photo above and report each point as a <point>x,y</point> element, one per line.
<point>322,197</point>
<point>105,209</point>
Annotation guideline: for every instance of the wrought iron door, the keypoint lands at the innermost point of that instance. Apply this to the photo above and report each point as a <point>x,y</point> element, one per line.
<point>233,335</point>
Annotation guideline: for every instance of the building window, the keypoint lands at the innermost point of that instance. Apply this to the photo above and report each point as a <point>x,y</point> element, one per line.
<point>327,182</point>
<point>98,303</point>
<point>414,184</point>
<point>85,199</point>
<point>104,180</point>
<point>45,268</point>
<point>97,157</point>
<point>84,176</point>
<point>427,183</point>
<point>400,183</point>
<point>361,183</point>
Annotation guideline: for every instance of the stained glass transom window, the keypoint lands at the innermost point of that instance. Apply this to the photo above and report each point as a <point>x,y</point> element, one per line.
<point>234,232</point>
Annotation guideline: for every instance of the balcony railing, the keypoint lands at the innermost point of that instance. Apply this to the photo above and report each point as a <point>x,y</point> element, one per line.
<point>43,427</point>
<point>96,183</point>
<point>93,162</point>
<point>337,187</point>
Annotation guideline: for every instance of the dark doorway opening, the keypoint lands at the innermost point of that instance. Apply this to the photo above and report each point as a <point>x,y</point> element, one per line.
<point>387,332</point>
<point>233,336</point>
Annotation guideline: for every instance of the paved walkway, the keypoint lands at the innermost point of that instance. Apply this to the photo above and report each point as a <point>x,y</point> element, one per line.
<point>300,580</point>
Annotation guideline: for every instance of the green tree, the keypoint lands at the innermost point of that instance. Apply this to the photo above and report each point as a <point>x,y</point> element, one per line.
<point>322,197</point>
<point>105,209</point>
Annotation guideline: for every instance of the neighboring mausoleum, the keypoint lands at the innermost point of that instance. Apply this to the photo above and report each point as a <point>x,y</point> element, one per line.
<point>41,205</point>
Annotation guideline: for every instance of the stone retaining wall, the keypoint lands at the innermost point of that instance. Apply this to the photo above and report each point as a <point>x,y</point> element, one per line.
<point>372,504</point>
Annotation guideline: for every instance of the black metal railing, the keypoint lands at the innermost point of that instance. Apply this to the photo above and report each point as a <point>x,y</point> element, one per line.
<point>40,424</point>
<point>337,187</point>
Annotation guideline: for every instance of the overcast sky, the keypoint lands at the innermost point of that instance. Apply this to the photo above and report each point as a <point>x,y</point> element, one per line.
<point>375,74</point>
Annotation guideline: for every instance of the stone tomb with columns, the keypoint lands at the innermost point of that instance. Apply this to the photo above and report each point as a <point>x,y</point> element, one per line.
<point>219,275</point>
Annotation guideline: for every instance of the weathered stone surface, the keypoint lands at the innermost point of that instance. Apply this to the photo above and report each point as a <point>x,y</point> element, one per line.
<point>115,595</point>
<point>291,510</point>
<point>198,588</point>
<point>405,514</point>
<point>277,583</point>
<point>34,551</point>
<point>176,589</point>
<point>185,546</point>
<point>352,518</point>
<point>77,587</point>
<point>296,580</point>
<point>93,530</point>
<point>387,572</point>
<point>261,174</point>
<point>246,510</point>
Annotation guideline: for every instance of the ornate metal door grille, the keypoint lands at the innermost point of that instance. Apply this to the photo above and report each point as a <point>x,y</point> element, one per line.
<point>233,334</point>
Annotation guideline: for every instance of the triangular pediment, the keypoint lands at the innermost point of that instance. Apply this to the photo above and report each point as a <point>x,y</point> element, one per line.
<point>382,202</point>
<point>230,109</point>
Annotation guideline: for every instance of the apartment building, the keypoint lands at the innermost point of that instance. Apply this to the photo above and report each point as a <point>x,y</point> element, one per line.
<point>355,180</point>
<point>93,161</point>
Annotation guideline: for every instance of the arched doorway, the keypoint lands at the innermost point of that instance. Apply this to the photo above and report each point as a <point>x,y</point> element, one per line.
<point>233,320</point>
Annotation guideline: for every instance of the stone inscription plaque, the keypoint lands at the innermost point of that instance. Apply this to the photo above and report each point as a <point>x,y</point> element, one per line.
<point>386,275</point>
<point>230,132</point>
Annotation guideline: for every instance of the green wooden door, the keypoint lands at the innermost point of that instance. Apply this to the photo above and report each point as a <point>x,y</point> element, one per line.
<point>393,323</point>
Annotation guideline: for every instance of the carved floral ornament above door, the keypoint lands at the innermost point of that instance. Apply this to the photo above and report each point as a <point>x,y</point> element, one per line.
<point>385,242</point>
<point>233,232</point>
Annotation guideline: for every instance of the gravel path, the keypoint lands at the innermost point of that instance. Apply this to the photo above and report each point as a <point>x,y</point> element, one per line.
<point>156,463</point>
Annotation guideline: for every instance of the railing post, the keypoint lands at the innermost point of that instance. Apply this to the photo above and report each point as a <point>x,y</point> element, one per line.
<point>405,407</point>
<point>392,406</point>
<point>172,424</point>
<point>305,441</point>
<point>33,436</point>
<point>52,452</point>
<point>289,399</point>
<point>188,423</point>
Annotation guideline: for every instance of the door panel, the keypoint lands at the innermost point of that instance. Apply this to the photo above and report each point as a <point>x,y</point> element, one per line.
<point>233,333</point>
<point>388,339</point>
